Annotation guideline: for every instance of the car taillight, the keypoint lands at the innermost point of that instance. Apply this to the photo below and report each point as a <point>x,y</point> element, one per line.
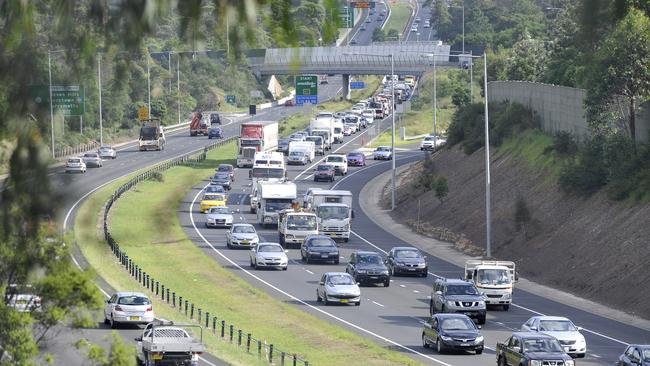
<point>118,308</point>
<point>150,308</point>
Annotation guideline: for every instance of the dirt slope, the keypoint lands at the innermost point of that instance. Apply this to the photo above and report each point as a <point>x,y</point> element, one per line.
<point>592,247</point>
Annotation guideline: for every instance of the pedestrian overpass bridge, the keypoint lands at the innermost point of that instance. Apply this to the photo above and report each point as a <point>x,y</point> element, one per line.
<point>410,58</point>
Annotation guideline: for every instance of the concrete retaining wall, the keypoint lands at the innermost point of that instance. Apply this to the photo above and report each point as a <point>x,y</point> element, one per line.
<point>560,108</point>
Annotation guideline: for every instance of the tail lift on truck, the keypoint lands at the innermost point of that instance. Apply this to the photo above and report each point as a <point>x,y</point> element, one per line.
<point>334,211</point>
<point>494,279</point>
<point>152,135</point>
<point>259,136</point>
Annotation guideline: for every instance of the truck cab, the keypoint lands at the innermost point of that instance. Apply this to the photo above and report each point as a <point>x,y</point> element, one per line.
<point>295,225</point>
<point>494,279</point>
<point>152,135</point>
<point>334,211</point>
<point>272,198</point>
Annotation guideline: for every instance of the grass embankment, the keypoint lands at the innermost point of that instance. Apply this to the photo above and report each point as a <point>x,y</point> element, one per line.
<point>145,223</point>
<point>535,148</point>
<point>298,121</point>
<point>400,14</point>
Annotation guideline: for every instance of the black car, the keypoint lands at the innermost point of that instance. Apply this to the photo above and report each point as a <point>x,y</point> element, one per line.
<point>319,248</point>
<point>368,267</point>
<point>215,119</point>
<point>227,168</point>
<point>283,145</point>
<point>635,354</point>
<point>222,179</point>
<point>215,132</point>
<point>406,260</point>
<point>452,332</point>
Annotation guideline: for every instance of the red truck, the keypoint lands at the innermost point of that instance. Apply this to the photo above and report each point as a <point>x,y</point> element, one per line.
<point>256,137</point>
<point>198,125</point>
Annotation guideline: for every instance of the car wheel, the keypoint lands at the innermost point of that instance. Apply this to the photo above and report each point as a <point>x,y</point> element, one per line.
<point>113,323</point>
<point>425,274</point>
<point>580,355</point>
<point>481,320</point>
<point>479,351</point>
<point>425,344</point>
<point>506,307</point>
<point>358,303</point>
<point>318,299</point>
<point>325,300</point>
<point>336,261</point>
<point>315,180</point>
<point>106,321</point>
<point>346,240</point>
<point>228,245</point>
<point>307,259</point>
<point>439,346</point>
<point>501,361</point>
<point>391,271</point>
<point>432,310</point>
<point>387,283</point>
<point>285,268</point>
<point>281,239</point>
<point>255,264</point>
<point>252,265</point>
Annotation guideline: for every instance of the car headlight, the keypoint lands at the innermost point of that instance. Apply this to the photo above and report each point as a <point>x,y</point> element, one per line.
<point>445,338</point>
<point>451,303</point>
<point>569,363</point>
<point>481,303</point>
<point>384,272</point>
<point>289,236</point>
<point>536,363</point>
<point>479,339</point>
<point>361,271</point>
<point>334,253</point>
<point>507,295</point>
<point>346,227</point>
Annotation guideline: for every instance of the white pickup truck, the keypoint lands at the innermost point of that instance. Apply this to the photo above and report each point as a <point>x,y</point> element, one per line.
<point>168,343</point>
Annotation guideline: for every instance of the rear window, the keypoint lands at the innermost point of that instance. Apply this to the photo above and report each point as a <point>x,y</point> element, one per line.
<point>324,167</point>
<point>90,155</point>
<point>74,160</point>
<point>133,300</point>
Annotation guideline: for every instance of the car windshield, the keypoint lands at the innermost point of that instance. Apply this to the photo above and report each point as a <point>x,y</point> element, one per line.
<point>300,222</point>
<point>270,248</point>
<point>646,355</point>
<point>213,197</point>
<point>215,189</point>
<point>337,129</point>
<point>322,243</point>
<point>383,148</point>
<point>74,160</point>
<point>133,300</point>
<point>220,210</point>
<point>224,168</point>
<point>332,212</point>
<point>354,155</point>
<point>243,229</point>
<point>556,326</point>
<point>90,155</point>
<point>297,153</point>
<point>542,345</point>
<point>105,148</point>
<point>340,280</point>
<point>277,204</point>
<point>369,259</point>
<point>457,324</point>
<point>428,138</point>
<point>335,159</point>
<point>324,167</point>
<point>461,290</point>
<point>268,173</point>
<point>492,276</point>
<point>407,254</point>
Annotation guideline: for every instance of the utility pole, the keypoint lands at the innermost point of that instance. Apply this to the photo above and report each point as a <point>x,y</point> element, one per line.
<point>99,86</point>
<point>169,60</point>
<point>392,138</point>
<point>435,106</point>
<point>148,84</point>
<point>49,67</point>
<point>488,221</point>
<point>178,86</point>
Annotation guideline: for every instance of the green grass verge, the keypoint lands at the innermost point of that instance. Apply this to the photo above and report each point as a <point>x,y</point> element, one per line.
<point>533,147</point>
<point>146,225</point>
<point>400,13</point>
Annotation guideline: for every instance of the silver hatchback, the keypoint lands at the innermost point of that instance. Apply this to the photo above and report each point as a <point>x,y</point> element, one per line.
<point>92,159</point>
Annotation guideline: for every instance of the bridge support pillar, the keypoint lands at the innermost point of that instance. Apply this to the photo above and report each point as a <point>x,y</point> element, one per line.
<point>346,86</point>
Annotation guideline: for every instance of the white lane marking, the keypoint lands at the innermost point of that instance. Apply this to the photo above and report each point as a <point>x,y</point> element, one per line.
<point>595,355</point>
<point>206,361</point>
<point>402,286</point>
<point>292,297</point>
<point>308,177</point>
<point>378,304</point>
<point>308,271</point>
<point>416,291</point>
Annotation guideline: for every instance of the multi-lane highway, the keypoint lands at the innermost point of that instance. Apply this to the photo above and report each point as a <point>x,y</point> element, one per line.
<point>422,13</point>
<point>392,316</point>
<point>76,187</point>
<point>371,19</point>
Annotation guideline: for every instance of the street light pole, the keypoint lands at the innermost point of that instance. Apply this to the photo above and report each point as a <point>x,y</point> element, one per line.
<point>49,67</point>
<point>392,87</point>
<point>435,106</point>
<point>169,67</point>
<point>148,84</point>
<point>463,8</point>
<point>178,86</point>
<point>99,86</point>
<point>488,221</point>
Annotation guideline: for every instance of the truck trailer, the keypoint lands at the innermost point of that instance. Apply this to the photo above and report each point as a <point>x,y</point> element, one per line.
<point>258,136</point>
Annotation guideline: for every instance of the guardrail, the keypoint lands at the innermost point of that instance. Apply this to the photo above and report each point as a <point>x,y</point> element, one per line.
<point>74,150</point>
<point>227,332</point>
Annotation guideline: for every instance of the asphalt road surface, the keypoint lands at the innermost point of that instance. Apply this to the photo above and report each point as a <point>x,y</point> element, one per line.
<point>391,316</point>
<point>422,33</point>
<point>76,187</point>
<point>370,20</point>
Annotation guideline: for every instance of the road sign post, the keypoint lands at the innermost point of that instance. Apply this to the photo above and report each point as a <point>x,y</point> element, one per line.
<point>230,99</point>
<point>357,85</point>
<point>66,99</point>
<point>306,89</point>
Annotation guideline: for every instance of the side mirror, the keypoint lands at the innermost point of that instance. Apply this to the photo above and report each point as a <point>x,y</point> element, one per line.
<point>352,214</point>
<point>108,301</point>
<point>479,326</point>
<point>578,328</point>
<point>358,283</point>
<point>286,251</point>
<point>138,339</point>
<point>252,249</point>
<point>321,283</point>
<point>516,276</point>
<point>250,174</point>
<point>259,205</point>
<point>438,292</point>
<point>533,329</point>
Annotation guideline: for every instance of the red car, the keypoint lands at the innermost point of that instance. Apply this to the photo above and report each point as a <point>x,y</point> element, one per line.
<point>289,103</point>
<point>324,172</point>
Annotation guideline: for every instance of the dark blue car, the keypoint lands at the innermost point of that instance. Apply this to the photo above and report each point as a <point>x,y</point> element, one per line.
<point>215,133</point>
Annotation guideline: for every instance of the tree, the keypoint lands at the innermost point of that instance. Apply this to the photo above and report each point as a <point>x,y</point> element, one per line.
<point>527,59</point>
<point>119,353</point>
<point>460,97</point>
<point>441,20</point>
<point>392,35</point>
<point>621,69</point>
<point>440,188</point>
<point>378,35</point>
<point>522,215</point>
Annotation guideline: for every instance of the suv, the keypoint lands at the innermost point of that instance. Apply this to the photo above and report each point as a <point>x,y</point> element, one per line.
<point>368,267</point>
<point>457,296</point>
<point>340,163</point>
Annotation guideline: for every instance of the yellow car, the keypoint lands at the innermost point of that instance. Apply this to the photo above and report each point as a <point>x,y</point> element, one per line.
<point>212,200</point>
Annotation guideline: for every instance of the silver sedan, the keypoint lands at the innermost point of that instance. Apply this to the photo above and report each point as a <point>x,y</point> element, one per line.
<point>107,152</point>
<point>92,159</point>
<point>269,255</point>
<point>241,235</point>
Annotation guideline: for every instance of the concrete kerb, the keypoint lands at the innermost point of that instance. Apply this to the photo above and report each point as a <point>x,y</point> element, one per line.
<point>445,251</point>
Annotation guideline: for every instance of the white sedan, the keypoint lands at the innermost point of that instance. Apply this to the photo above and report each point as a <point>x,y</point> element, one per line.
<point>128,307</point>
<point>269,255</point>
<point>241,235</point>
<point>382,153</point>
<point>218,216</point>
<point>338,287</point>
<point>562,329</point>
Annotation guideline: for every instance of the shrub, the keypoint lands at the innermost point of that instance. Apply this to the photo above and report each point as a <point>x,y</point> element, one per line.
<point>586,174</point>
<point>564,144</point>
<point>522,214</point>
<point>440,188</point>
<point>156,176</point>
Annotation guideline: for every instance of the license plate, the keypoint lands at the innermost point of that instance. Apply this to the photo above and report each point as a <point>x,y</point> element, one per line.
<point>157,356</point>
<point>21,302</point>
<point>324,256</point>
<point>134,318</point>
<point>464,344</point>
<point>344,300</point>
<point>244,241</point>
<point>373,277</point>
<point>411,269</point>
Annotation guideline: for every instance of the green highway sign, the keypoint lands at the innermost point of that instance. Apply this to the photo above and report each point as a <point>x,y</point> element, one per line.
<point>230,99</point>
<point>346,14</point>
<point>306,89</point>
<point>67,99</point>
